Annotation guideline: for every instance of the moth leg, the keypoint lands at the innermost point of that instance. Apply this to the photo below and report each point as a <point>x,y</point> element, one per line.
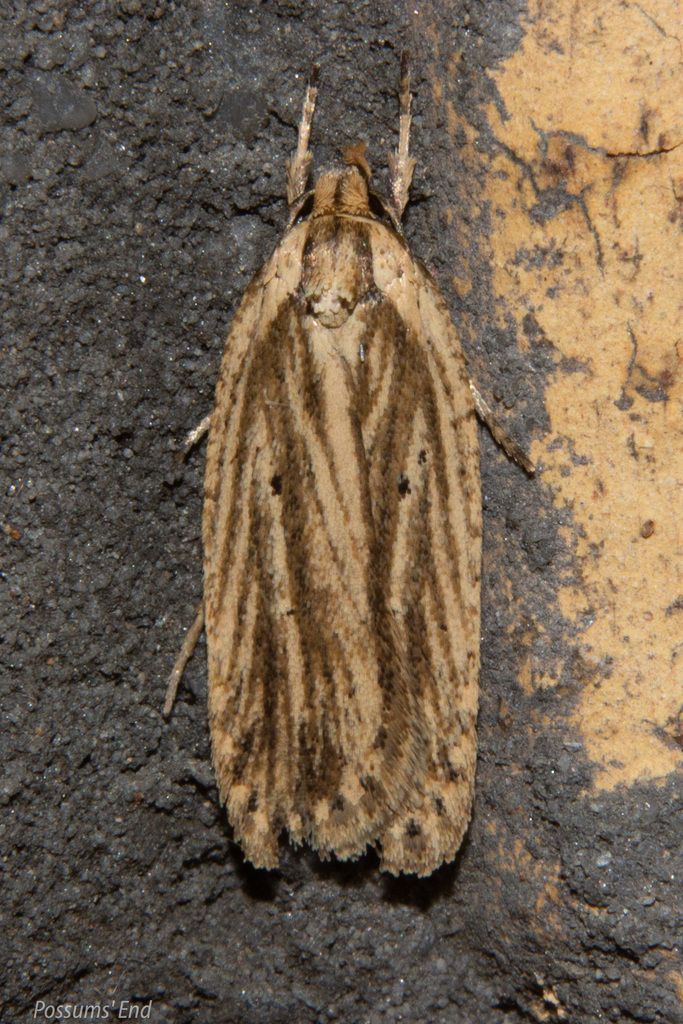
<point>300,164</point>
<point>186,652</point>
<point>197,434</point>
<point>401,164</point>
<point>510,447</point>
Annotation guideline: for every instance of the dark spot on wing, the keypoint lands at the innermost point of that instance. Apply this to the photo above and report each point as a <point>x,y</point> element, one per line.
<point>403,485</point>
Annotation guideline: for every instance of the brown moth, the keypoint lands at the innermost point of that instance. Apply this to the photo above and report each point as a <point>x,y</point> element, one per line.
<point>342,538</point>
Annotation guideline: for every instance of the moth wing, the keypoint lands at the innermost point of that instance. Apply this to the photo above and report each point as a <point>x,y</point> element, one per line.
<point>310,723</point>
<point>424,478</point>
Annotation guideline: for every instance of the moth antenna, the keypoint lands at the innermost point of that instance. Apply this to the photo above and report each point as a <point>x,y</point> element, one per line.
<point>510,447</point>
<point>401,164</point>
<point>300,164</point>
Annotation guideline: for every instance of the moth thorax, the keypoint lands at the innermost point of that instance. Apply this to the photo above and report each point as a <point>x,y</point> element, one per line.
<point>337,269</point>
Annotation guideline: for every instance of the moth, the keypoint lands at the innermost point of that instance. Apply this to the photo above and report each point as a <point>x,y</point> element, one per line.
<point>342,537</point>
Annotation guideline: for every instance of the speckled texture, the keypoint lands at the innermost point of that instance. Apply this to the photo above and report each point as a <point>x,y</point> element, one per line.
<point>127,240</point>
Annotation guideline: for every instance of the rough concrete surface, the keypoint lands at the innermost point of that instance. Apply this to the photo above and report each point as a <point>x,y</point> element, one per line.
<point>142,182</point>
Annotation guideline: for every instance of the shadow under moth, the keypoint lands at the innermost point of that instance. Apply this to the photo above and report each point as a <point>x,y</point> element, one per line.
<point>342,537</point>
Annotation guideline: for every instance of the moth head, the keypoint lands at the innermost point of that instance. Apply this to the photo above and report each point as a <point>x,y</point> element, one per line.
<point>341,192</point>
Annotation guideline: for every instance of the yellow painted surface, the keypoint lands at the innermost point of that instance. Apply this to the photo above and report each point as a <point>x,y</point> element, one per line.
<point>593,104</point>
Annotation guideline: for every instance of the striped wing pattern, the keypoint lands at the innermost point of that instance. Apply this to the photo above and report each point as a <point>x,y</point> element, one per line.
<point>342,542</point>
